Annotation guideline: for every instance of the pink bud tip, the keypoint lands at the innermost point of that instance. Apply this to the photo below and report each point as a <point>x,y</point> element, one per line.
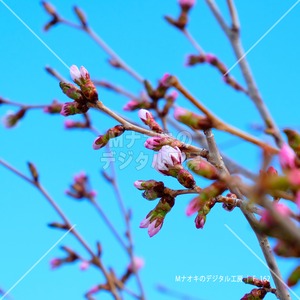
<point>152,229</point>
<point>138,262</point>
<point>138,184</point>
<point>144,114</point>
<point>287,157</point>
<point>84,265</point>
<point>179,112</point>
<point>210,58</point>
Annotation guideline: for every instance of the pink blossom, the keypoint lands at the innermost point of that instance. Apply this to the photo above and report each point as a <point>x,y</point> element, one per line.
<point>167,157</point>
<point>84,265</point>
<point>192,207</point>
<point>152,228</point>
<point>287,157</point>
<point>210,58</point>
<point>282,209</point>
<point>131,105</point>
<point>138,262</point>
<point>138,184</point>
<point>77,74</point>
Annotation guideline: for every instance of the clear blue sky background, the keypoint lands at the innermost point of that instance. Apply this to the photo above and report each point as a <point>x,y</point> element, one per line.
<point>136,30</point>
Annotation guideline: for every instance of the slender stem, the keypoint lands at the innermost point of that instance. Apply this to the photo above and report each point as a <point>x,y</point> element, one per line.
<point>25,106</point>
<point>253,92</point>
<point>115,88</point>
<point>129,126</point>
<point>95,259</point>
<point>234,15</point>
<point>220,124</point>
<point>126,215</point>
<point>189,36</point>
<point>263,240</point>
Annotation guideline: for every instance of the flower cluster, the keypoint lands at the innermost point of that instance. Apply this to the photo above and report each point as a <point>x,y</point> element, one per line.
<point>80,188</point>
<point>82,96</point>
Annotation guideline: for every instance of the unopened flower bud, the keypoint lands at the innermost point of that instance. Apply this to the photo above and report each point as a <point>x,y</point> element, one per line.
<point>186,4</point>
<point>54,108</point>
<point>287,157</point>
<point>149,184</point>
<point>185,178</point>
<point>71,108</point>
<point>135,104</point>
<point>11,119</point>
<point>81,16</point>
<point>33,171</point>
<point>294,278</point>
<point>157,142</point>
<point>267,218</point>
<point>191,119</point>
<point>49,8</point>
<point>192,60</point>
<point>71,91</point>
<point>148,119</point>
<point>203,168</point>
<point>113,132</point>
<point>136,264</point>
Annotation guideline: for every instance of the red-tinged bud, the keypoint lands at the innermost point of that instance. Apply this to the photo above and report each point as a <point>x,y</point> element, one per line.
<point>287,157</point>
<point>55,263</point>
<point>271,171</point>
<point>186,4</point>
<point>135,104</point>
<point>200,221</point>
<point>93,290</point>
<point>81,16</point>
<point>257,282</point>
<point>11,119</point>
<point>71,91</point>
<point>255,294</point>
<point>148,119</point>
<point>202,168</point>
<point>230,204</point>
<point>155,218</point>
<point>192,60</point>
<point>293,140</point>
<point>72,108</point>
<point>193,206</point>
<point>186,179</point>
<point>149,184</point>
<point>233,83</point>
<point>286,249</point>
<point>113,132</point>
<point>214,61</point>
<point>33,171</point>
<point>191,119</point>
<point>54,108</point>
<point>157,142</point>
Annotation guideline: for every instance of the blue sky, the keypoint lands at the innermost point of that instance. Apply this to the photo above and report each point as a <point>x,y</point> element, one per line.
<point>137,32</point>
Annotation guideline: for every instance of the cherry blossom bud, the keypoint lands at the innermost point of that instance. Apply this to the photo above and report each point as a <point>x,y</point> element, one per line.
<point>268,220</point>
<point>191,119</point>
<point>167,158</point>
<point>193,206</point>
<point>149,184</point>
<point>33,171</point>
<point>192,60</point>
<point>203,168</point>
<point>81,16</point>
<point>71,91</point>
<point>255,294</point>
<point>155,218</point>
<point>11,119</point>
<point>113,132</point>
<point>55,263</point>
<point>70,124</point>
<point>200,221</point>
<point>135,104</point>
<point>186,4</point>
<point>71,108</point>
<point>79,76</point>
<point>186,179</point>
<point>294,278</point>
<point>148,119</point>
<point>287,157</point>
<point>157,142</point>
<point>137,264</point>
<point>54,108</point>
